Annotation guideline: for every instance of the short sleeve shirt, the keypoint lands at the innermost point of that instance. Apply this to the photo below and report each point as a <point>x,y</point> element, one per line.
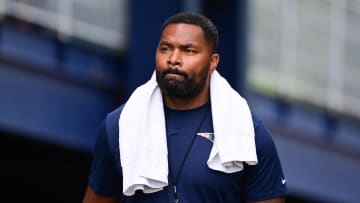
<point>196,181</point>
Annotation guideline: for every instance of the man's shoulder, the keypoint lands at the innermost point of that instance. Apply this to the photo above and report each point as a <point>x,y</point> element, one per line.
<point>263,137</point>
<point>256,120</point>
<point>115,114</point>
<point>112,124</point>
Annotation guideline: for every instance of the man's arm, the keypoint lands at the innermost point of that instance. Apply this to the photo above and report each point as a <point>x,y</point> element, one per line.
<point>105,181</point>
<point>92,197</point>
<point>265,182</point>
<point>275,200</point>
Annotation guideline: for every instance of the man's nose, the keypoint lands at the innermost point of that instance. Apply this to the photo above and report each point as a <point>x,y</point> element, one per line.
<point>174,58</point>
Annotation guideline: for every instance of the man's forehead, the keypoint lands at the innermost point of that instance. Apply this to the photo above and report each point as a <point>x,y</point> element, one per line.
<point>183,32</point>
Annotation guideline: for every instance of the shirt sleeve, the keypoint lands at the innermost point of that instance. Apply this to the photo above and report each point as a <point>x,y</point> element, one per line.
<point>104,176</point>
<point>266,179</point>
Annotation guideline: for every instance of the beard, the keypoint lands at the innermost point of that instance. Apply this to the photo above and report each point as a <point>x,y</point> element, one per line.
<point>186,87</point>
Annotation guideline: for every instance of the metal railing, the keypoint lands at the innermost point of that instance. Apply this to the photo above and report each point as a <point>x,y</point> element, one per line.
<point>305,51</point>
<point>101,22</point>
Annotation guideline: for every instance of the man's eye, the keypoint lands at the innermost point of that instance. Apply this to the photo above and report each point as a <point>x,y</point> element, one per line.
<point>164,48</point>
<point>189,51</point>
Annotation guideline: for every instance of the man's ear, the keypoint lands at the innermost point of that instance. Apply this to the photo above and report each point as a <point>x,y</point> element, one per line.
<point>214,61</point>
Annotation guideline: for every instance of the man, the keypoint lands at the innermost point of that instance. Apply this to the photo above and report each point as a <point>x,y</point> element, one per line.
<point>186,135</point>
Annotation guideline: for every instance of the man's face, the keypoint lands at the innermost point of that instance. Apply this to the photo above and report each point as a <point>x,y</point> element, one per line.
<point>183,60</point>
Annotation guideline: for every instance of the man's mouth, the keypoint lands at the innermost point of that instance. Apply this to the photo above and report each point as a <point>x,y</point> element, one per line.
<point>174,76</point>
<point>174,73</point>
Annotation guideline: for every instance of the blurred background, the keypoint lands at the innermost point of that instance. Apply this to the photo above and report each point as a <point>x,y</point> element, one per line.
<point>65,64</point>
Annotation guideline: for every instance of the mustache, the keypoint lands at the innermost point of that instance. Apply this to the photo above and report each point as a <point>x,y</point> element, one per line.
<point>172,70</point>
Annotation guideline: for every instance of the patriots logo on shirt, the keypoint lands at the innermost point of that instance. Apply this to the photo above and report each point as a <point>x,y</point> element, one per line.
<point>209,136</point>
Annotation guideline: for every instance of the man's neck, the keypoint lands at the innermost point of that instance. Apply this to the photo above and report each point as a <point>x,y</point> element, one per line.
<point>180,103</point>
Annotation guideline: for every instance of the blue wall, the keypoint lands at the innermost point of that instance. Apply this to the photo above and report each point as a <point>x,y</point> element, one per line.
<point>58,101</point>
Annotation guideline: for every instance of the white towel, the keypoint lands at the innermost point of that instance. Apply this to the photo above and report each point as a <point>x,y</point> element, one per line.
<point>142,135</point>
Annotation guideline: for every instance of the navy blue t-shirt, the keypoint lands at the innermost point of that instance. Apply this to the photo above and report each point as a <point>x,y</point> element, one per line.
<point>196,182</point>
